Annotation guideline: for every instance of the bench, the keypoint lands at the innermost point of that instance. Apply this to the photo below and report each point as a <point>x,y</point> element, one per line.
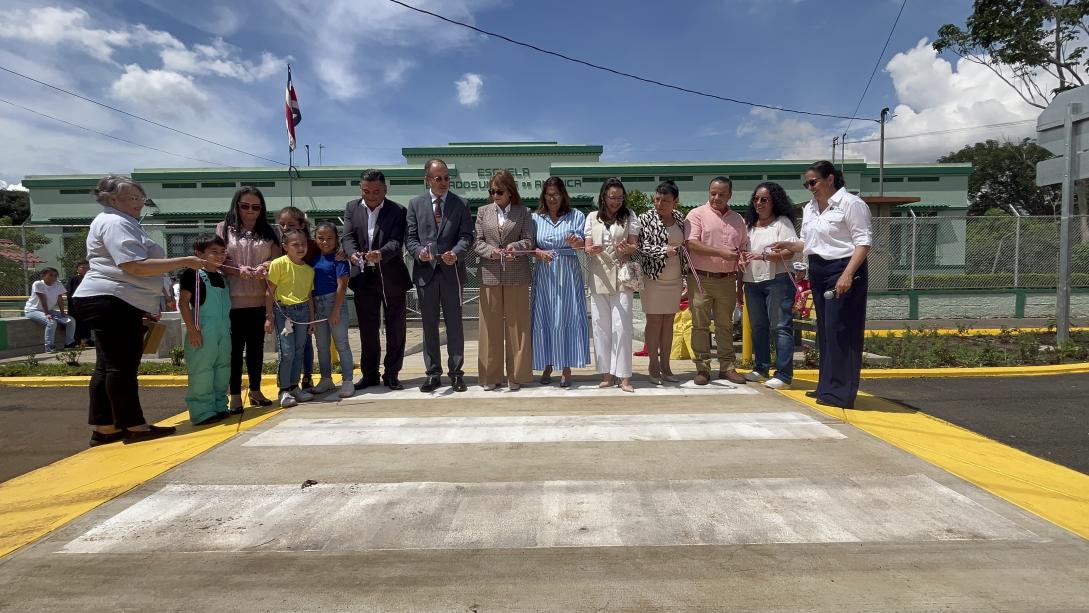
<point>804,325</point>
<point>21,336</point>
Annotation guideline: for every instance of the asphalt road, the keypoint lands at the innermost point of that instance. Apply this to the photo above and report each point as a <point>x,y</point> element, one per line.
<point>39,426</point>
<point>1046,416</point>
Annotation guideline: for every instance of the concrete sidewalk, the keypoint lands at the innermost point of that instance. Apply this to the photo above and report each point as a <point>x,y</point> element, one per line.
<point>673,498</point>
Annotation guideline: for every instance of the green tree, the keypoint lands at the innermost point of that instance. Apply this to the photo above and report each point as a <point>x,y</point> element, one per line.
<point>1004,175</point>
<point>637,202</point>
<point>15,205</point>
<point>1019,40</point>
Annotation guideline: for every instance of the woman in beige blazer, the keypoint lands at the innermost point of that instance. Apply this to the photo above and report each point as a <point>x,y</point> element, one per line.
<point>504,238</point>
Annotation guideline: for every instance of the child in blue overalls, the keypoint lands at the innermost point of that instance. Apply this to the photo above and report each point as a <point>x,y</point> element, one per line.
<point>208,337</point>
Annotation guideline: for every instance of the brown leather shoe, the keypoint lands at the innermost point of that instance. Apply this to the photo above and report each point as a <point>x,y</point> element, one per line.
<point>732,376</point>
<point>702,378</point>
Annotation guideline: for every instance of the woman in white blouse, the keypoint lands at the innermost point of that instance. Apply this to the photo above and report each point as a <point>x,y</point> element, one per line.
<point>769,290</point>
<point>836,235</point>
<point>612,236</point>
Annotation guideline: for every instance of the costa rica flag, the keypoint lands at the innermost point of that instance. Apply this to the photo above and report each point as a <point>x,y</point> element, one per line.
<point>291,112</point>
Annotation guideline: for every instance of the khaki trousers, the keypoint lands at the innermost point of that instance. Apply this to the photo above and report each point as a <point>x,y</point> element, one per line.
<point>718,298</point>
<point>505,317</point>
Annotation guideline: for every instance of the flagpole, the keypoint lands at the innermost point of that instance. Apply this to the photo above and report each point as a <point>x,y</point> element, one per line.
<point>290,156</point>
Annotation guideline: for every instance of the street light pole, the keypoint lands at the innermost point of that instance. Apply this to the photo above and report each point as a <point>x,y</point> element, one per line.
<point>307,154</point>
<point>881,172</point>
<point>321,148</point>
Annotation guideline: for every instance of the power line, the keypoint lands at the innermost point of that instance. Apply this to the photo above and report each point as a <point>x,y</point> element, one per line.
<point>135,116</point>
<point>947,131</point>
<point>624,74</point>
<point>76,125</point>
<point>877,64</point>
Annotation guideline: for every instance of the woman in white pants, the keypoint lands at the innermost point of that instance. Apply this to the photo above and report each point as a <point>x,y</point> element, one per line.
<point>612,237</point>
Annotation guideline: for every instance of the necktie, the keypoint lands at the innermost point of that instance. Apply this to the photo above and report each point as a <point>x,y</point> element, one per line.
<point>438,213</point>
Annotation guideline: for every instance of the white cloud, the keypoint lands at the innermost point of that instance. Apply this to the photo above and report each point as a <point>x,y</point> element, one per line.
<point>12,187</point>
<point>933,96</point>
<point>361,46</point>
<point>60,27</point>
<point>470,88</point>
<point>162,93</point>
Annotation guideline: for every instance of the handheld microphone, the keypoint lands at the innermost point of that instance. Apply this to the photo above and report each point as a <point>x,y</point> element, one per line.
<point>832,294</point>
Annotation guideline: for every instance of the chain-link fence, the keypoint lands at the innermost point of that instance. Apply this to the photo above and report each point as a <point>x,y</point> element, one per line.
<point>987,252</point>
<point>924,251</point>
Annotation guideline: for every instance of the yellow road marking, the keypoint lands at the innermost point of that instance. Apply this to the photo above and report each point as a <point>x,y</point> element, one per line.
<point>36,503</point>
<point>1055,493</point>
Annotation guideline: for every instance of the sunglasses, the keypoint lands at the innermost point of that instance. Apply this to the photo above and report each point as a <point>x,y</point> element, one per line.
<point>497,192</point>
<point>761,199</point>
<point>242,206</point>
<point>810,183</point>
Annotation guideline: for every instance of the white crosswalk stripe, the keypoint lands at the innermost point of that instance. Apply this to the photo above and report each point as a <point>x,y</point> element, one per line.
<point>383,516</point>
<point>542,429</point>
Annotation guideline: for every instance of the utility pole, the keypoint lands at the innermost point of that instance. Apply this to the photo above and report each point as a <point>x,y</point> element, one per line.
<point>881,172</point>
<point>321,148</point>
<point>307,154</point>
<point>835,140</point>
<point>842,152</point>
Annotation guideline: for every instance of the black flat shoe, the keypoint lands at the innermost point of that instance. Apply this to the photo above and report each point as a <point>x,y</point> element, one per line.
<point>237,411</point>
<point>457,382</point>
<point>366,382</point>
<point>431,385</point>
<point>102,438</point>
<point>825,403</point>
<point>218,417</point>
<point>139,436</point>
<point>811,394</point>
<point>392,382</point>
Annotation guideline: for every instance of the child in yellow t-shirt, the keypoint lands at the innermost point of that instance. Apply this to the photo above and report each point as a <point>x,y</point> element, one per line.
<point>290,306</point>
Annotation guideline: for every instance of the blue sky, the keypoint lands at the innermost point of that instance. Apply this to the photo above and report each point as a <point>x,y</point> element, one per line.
<point>373,77</point>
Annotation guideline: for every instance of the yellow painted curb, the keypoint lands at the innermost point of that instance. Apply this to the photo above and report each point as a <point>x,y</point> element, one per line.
<point>35,504</point>
<point>1055,493</point>
<point>85,380</point>
<point>968,332</point>
<point>949,371</point>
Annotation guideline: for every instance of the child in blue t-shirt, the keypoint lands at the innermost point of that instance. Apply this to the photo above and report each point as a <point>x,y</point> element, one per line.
<point>330,285</point>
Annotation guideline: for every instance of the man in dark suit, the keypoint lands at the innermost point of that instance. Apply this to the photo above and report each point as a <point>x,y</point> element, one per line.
<point>374,230</point>
<point>440,233</point>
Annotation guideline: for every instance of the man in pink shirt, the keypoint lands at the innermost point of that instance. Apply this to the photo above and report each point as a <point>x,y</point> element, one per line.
<point>716,238</point>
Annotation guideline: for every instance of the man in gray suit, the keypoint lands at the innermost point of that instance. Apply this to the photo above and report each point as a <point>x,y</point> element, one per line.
<point>440,234</point>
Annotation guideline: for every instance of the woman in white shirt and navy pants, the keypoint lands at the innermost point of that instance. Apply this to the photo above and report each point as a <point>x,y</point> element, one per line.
<point>836,235</point>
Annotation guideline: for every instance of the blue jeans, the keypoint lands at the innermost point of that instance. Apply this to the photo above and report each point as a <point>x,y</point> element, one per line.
<point>769,304</point>
<point>38,317</point>
<point>292,345</point>
<point>323,306</point>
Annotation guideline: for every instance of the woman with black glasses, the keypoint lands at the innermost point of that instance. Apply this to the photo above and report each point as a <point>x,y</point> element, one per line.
<point>836,235</point>
<point>251,245</point>
<point>504,240</point>
<point>769,290</point>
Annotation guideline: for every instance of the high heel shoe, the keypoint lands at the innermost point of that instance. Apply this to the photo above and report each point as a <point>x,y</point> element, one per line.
<point>655,378</point>
<point>668,377</point>
<point>258,399</point>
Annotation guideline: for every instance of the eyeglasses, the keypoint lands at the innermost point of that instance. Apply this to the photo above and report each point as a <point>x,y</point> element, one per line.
<point>443,179</point>
<point>552,196</point>
<point>760,199</point>
<point>497,192</point>
<point>810,183</point>
<point>243,206</point>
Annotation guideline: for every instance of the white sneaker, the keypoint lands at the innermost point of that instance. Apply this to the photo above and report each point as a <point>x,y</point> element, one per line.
<point>301,396</point>
<point>347,389</point>
<point>323,387</point>
<point>287,400</point>
<point>777,384</point>
<point>754,376</point>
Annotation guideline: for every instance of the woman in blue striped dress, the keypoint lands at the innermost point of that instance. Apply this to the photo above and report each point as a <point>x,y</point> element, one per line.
<point>560,337</point>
